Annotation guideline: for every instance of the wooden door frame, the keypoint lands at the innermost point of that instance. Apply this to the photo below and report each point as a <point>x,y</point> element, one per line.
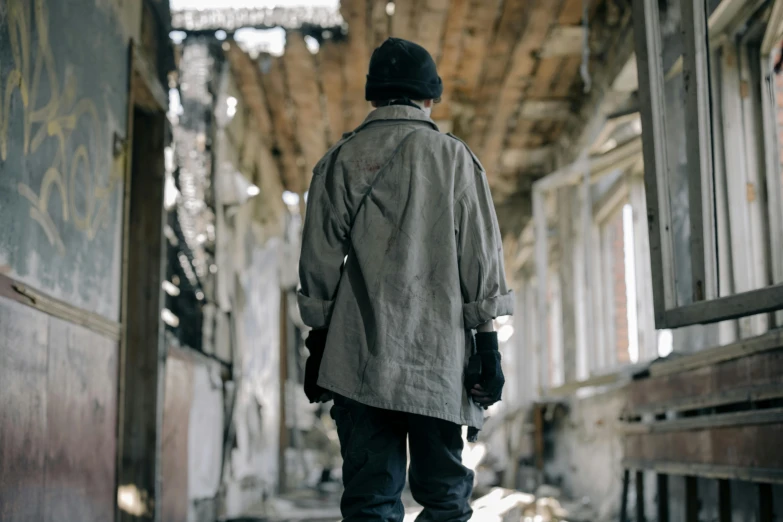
<point>142,353</point>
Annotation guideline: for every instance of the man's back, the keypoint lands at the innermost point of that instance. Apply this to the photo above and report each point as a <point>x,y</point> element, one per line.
<point>410,208</point>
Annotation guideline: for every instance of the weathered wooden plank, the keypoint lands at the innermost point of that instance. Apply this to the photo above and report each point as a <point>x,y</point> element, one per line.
<point>571,12</point>
<point>403,20</point>
<point>478,31</point>
<point>545,75</point>
<point>754,446</point>
<point>355,70</point>
<point>333,84</point>
<point>513,17</point>
<point>731,381</point>
<point>380,24</point>
<point>273,81</point>
<point>429,25</point>
<point>451,51</point>
<point>564,41</point>
<point>520,70</point>
<point>545,110</point>
<point>762,343</point>
<point>568,75</point>
<point>246,74</point>
<point>305,93</point>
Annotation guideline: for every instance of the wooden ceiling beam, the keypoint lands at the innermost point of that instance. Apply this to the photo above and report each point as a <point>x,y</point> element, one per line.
<point>520,71</point>
<point>564,40</point>
<point>545,110</point>
<point>274,84</point>
<point>450,54</point>
<point>380,24</point>
<point>333,84</point>
<point>478,31</point>
<point>305,92</point>
<point>429,24</point>
<point>513,18</point>
<point>402,20</point>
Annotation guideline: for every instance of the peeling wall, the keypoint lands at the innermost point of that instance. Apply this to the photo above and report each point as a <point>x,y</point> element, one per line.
<point>587,452</point>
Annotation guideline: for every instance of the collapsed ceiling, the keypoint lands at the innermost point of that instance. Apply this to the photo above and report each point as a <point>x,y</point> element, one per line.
<point>516,88</point>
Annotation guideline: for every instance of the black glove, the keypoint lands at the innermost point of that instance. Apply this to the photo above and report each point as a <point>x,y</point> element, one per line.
<point>484,369</point>
<point>315,343</point>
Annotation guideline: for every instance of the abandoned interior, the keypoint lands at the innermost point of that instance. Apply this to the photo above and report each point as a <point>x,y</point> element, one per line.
<point>154,167</point>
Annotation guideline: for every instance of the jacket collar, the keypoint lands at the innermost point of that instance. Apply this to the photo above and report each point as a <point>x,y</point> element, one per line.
<point>397,112</point>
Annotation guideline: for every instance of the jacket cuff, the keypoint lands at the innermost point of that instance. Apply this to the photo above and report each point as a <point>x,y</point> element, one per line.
<point>479,312</point>
<point>316,313</point>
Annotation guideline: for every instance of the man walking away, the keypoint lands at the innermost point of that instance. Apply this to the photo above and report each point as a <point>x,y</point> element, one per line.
<point>401,262</point>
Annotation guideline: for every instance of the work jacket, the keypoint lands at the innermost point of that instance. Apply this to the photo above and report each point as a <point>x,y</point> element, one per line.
<point>401,258</point>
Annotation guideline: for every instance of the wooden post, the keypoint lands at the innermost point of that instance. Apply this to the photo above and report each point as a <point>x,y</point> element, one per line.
<point>284,438</point>
<point>624,498</point>
<point>542,276</point>
<point>724,501</point>
<point>142,366</point>
<point>766,510</point>
<point>639,480</point>
<point>566,242</point>
<point>663,498</point>
<point>691,499</point>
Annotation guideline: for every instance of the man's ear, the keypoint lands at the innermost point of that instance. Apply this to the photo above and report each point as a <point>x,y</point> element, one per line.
<point>427,104</point>
<point>374,104</point>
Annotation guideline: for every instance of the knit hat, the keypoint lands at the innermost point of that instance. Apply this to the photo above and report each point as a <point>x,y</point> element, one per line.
<point>402,69</point>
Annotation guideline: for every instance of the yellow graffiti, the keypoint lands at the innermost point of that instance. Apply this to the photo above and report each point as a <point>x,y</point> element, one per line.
<point>79,163</point>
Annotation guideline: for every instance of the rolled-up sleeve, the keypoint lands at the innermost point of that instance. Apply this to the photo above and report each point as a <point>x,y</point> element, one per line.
<point>480,255</point>
<point>324,247</point>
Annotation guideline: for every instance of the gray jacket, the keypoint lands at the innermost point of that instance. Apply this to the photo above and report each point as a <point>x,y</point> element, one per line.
<point>411,209</point>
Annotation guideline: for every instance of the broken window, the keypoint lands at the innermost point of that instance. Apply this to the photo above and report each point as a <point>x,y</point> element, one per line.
<point>712,159</point>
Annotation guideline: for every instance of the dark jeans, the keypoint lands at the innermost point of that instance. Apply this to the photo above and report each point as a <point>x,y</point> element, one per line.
<point>372,442</point>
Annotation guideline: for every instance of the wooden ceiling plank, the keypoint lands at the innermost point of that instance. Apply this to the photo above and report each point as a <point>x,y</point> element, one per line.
<point>305,92</point>
<point>354,12</point>
<point>571,12</point>
<point>568,76</point>
<point>512,21</point>
<point>333,83</point>
<point>518,76</point>
<point>564,41</point>
<point>402,20</point>
<point>430,23</point>
<point>379,24</point>
<point>548,69</point>
<point>450,53</point>
<point>478,27</point>
<point>274,85</point>
<point>535,110</point>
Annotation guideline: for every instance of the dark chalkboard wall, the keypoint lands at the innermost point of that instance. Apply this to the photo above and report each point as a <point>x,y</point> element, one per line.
<point>63,103</point>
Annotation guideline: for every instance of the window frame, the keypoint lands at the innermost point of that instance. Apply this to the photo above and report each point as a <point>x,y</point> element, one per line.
<point>707,306</point>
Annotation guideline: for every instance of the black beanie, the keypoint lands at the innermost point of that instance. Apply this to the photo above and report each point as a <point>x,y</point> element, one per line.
<point>399,68</point>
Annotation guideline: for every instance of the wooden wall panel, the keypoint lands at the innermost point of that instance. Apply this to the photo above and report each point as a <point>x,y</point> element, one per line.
<point>754,446</point>
<point>747,373</point>
<point>58,419</point>
<point>176,426</point>
<point>81,419</point>
<point>24,335</point>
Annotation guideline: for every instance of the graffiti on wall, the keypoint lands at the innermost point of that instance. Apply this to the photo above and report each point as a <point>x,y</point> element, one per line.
<point>54,117</point>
